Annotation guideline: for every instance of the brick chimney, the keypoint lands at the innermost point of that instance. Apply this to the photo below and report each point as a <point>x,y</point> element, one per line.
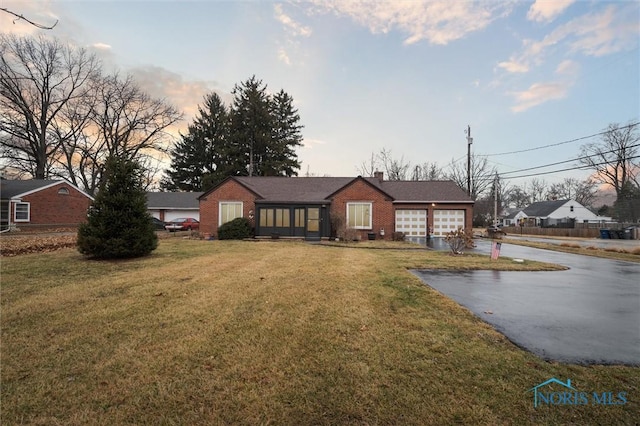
<point>378,175</point>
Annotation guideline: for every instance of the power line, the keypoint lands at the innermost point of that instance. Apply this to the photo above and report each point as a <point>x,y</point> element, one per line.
<point>556,144</point>
<point>568,161</point>
<point>568,169</point>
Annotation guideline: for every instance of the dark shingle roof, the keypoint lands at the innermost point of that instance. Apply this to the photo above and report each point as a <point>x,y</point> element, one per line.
<point>12,188</point>
<point>320,189</point>
<point>543,208</point>
<point>428,191</point>
<point>173,200</point>
<point>294,190</point>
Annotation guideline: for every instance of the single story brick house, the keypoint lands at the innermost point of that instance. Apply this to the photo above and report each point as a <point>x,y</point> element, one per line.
<point>42,203</point>
<point>304,206</point>
<point>168,206</point>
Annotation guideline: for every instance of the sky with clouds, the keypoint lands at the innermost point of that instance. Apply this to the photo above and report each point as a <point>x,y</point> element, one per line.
<point>408,76</point>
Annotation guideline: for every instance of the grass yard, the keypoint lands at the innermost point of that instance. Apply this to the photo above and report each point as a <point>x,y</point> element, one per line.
<point>211,332</point>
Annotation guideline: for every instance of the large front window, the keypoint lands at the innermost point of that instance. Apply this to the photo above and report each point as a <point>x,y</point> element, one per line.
<point>229,210</point>
<point>359,215</point>
<point>275,218</point>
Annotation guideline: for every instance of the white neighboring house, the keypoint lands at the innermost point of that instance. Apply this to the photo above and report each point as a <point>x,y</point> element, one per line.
<point>513,218</point>
<point>558,212</point>
<point>168,206</point>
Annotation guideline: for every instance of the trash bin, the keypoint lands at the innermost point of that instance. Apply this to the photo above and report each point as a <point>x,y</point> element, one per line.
<point>613,234</point>
<point>604,234</point>
<point>627,233</point>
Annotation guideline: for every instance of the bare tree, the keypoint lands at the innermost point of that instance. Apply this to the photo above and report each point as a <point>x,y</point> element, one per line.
<point>615,159</point>
<point>583,191</point>
<point>537,190</point>
<point>124,122</point>
<point>39,79</point>
<point>517,197</point>
<point>35,24</point>
<point>395,169</point>
<point>427,171</point>
<point>368,167</point>
<point>482,175</point>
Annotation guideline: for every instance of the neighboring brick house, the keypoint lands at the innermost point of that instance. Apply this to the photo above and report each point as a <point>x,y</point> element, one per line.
<point>304,206</point>
<point>42,203</point>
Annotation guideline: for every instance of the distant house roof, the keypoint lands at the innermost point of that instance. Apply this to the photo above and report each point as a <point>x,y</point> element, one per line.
<point>513,214</point>
<point>173,200</point>
<point>320,189</point>
<point>543,208</point>
<point>19,188</point>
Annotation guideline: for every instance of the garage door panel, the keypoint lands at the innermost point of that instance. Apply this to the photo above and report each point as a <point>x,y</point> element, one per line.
<point>445,221</point>
<point>413,223</point>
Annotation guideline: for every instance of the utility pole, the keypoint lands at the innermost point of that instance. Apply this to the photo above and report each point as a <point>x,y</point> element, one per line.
<point>495,200</point>
<point>469,142</point>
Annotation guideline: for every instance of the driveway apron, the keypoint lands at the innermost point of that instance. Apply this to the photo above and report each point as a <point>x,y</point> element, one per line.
<point>589,314</point>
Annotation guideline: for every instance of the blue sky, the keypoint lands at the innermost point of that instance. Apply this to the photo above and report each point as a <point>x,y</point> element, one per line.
<point>408,76</point>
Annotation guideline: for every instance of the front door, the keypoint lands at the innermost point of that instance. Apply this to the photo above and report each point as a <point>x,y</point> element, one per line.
<point>313,223</point>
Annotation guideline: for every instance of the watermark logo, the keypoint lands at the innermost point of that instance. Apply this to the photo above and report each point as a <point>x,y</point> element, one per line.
<point>569,395</point>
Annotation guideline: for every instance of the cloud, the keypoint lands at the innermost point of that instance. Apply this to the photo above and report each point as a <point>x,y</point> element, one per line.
<point>438,22</point>
<point>283,56</point>
<point>537,94</point>
<point>310,143</point>
<point>600,33</point>
<point>547,10</point>
<point>513,66</point>
<point>101,46</point>
<point>185,95</point>
<point>568,67</point>
<point>293,27</point>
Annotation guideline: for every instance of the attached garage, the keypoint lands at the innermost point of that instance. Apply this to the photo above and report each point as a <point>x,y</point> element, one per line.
<point>445,221</point>
<point>413,223</point>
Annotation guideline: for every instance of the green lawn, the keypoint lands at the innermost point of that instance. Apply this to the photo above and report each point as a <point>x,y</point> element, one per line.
<point>211,332</point>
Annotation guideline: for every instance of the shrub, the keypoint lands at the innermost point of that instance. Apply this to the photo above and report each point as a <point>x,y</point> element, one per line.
<point>398,236</point>
<point>238,229</point>
<point>118,223</point>
<point>459,239</point>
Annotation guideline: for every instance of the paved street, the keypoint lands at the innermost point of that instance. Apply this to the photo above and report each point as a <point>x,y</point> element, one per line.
<point>589,314</point>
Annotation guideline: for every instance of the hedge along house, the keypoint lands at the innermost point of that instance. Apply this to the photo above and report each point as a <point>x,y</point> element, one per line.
<point>303,207</point>
<point>37,203</point>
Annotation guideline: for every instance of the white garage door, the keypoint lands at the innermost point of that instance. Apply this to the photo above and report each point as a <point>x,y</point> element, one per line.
<point>413,223</point>
<point>445,221</point>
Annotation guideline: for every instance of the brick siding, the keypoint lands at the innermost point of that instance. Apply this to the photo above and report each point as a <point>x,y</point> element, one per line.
<point>48,207</point>
<point>227,191</point>
<point>382,208</point>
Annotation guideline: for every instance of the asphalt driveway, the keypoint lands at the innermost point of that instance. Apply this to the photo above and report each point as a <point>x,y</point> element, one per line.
<point>589,314</point>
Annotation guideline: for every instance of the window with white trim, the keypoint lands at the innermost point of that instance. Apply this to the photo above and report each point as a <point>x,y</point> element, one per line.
<point>229,210</point>
<point>21,212</point>
<point>359,215</point>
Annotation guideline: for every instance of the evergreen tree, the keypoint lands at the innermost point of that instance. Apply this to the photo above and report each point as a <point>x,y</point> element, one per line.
<point>201,158</point>
<point>287,135</point>
<point>251,128</point>
<point>257,136</point>
<point>119,225</point>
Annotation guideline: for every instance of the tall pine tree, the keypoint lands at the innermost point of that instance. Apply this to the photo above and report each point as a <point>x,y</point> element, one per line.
<point>251,127</point>
<point>202,156</point>
<point>287,135</point>
<point>257,136</point>
<point>118,224</point>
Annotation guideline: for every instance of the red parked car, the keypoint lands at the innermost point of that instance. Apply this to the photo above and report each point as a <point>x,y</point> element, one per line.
<point>182,224</point>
